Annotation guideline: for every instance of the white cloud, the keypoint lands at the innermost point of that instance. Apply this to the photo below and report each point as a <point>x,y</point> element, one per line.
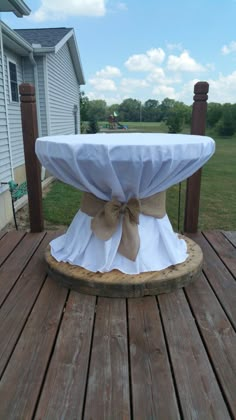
<point>223,89</point>
<point>171,46</point>
<point>156,55</point>
<point>163,91</point>
<point>158,75</point>
<point>130,85</point>
<point>101,84</point>
<point>109,71</point>
<point>186,93</point>
<point>61,9</point>
<point>145,62</point>
<point>227,49</point>
<point>110,100</point>
<point>184,63</point>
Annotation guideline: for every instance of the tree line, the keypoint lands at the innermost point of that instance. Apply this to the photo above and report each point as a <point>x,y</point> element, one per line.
<point>220,117</point>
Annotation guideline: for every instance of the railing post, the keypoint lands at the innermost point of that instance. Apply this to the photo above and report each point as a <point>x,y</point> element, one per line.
<point>32,165</point>
<point>198,126</point>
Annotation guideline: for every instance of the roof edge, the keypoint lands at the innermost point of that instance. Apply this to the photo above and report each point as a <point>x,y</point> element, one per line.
<point>72,42</point>
<point>10,33</point>
<point>21,9</point>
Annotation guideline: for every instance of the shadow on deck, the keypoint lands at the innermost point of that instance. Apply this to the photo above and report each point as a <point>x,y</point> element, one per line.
<point>64,355</point>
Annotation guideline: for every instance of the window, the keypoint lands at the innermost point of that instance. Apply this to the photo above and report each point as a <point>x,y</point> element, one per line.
<point>13,82</point>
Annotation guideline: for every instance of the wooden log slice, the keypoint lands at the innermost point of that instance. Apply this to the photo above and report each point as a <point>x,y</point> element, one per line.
<point>117,284</point>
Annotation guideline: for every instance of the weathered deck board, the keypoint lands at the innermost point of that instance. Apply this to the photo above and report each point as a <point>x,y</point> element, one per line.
<point>68,369</point>
<point>62,355</point>
<point>17,261</point>
<point>218,335</point>
<point>150,369</point>
<point>8,243</point>
<point>198,390</point>
<point>2,233</point>
<point>22,379</point>
<point>225,250</point>
<point>16,309</point>
<point>231,236</point>
<point>108,382</point>
<point>221,280</point>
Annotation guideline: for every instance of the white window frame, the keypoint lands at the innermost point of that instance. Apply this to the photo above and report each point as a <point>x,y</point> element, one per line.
<point>9,60</point>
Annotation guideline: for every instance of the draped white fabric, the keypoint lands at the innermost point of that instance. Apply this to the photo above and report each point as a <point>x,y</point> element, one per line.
<point>122,165</point>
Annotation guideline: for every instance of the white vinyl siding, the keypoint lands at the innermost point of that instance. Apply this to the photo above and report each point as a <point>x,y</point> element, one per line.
<point>63,92</point>
<point>5,162</point>
<point>29,78</point>
<point>28,71</point>
<point>14,114</point>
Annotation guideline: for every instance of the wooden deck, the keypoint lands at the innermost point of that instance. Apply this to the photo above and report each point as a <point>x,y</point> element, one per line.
<point>64,355</point>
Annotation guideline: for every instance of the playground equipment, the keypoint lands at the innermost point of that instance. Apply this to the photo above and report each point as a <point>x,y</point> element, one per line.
<point>113,123</point>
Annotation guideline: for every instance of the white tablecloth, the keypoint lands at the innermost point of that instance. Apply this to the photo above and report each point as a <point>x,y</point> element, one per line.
<point>122,165</point>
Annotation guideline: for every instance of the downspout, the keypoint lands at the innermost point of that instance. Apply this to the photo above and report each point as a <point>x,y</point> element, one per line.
<point>75,111</point>
<point>5,99</point>
<point>36,82</point>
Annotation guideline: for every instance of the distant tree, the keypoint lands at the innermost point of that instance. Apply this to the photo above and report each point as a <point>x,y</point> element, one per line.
<point>129,110</point>
<point>175,121</point>
<point>166,107</point>
<point>151,110</point>
<point>93,126</point>
<point>214,113</point>
<point>177,114</point>
<point>226,124</point>
<point>97,110</point>
<point>84,103</point>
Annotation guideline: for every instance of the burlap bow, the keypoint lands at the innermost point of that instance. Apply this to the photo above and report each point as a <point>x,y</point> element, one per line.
<point>106,216</point>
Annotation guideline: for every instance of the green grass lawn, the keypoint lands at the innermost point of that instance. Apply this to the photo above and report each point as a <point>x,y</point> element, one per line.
<point>218,191</point>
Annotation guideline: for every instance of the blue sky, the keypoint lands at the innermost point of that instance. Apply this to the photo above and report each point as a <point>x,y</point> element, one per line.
<point>152,49</point>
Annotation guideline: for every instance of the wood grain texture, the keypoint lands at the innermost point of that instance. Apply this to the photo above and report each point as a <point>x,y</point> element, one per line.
<point>198,390</point>
<point>219,337</point>
<point>108,394</point>
<point>2,233</point>
<point>117,284</point>
<point>219,277</point>
<point>64,389</point>
<point>224,249</point>
<point>150,369</point>
<point>22,379</point>
<point>168,361</point>
<point>16,309</point>
<point>32,165</point>
<point>231,236</point>
<point>193,188</point>
<point>16,262</point>
<point>8,243</point>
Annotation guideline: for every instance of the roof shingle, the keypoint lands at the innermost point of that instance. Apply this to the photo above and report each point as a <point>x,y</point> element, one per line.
<point>47,37</point>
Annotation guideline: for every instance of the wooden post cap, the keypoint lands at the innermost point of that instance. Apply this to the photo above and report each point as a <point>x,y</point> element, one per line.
<point>201,89</point>
<point>27,92</point>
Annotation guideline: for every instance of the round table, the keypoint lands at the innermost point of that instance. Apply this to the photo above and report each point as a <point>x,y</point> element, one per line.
<point>122,166</point>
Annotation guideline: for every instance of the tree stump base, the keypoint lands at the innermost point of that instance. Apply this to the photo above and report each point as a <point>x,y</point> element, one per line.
<point>117,284</point>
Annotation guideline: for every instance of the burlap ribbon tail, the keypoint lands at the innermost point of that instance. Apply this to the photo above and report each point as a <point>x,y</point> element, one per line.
<point>106,216</point>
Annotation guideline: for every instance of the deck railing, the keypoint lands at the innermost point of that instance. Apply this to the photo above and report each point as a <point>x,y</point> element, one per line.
<point>33,170</point>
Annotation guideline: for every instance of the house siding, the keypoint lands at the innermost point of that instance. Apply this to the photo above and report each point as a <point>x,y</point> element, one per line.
<point>5,161</point>
<point>29,78</point>
<point>14,114</point>
<point>63,92</point>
